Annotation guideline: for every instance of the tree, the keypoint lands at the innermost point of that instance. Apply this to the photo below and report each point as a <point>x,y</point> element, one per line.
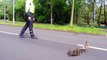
<point>4,9</point>
<point>102,12</point>
<point>72,13</point>
<point>101,1</point>
<point>1,10</point>
<point>94,11</point>
<point>51,11</point>
<point>93,3</point>
<point>105,19</point>
<point>77,9</point>
<point>51,8</point>
<point>20,10</point>
<point>86,12</point>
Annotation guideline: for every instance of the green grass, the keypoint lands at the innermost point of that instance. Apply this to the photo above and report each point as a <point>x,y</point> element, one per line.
<point>68,28</point>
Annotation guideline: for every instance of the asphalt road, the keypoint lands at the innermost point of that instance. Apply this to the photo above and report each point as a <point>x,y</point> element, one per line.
<point>51,45</point>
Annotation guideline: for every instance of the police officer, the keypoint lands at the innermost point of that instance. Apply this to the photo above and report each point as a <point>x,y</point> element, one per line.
<point>29,19</point>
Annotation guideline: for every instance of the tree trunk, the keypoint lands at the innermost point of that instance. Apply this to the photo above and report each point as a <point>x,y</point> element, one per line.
<point>76,18</point>
<point>51,13</point>
<point>13,11</point>
<point>100,15</point>
<point>88,20</point>
<point>4,9</point>
<point>105,20</point>
<point>94,11</point>
<point>72,13</point>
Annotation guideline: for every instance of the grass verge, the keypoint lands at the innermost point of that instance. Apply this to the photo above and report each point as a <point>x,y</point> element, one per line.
<point>69,28</point>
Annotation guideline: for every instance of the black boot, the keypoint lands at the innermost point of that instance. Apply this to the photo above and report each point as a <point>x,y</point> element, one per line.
<point>34,37</point>
<point>22,36</point>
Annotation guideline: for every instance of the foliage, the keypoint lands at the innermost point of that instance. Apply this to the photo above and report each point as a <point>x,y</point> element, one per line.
<point>1,10</point>
<point>20,10</point>
<point>61,9</point>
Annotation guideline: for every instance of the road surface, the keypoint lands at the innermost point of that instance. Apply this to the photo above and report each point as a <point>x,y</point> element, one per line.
<point>51,45</point>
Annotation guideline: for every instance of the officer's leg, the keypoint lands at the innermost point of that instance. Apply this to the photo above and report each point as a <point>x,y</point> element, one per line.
<point>31,30</point>
<point>24,29</point>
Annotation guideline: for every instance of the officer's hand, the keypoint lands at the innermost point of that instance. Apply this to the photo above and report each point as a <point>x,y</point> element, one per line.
<point>29,18</point>
<point>33,19</point>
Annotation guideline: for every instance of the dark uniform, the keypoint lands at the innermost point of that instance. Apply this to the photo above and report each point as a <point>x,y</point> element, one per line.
<point>29,23</point>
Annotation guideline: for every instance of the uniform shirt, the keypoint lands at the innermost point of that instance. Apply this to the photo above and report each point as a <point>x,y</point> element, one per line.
<point>32,7</point>
<point>29,7</point>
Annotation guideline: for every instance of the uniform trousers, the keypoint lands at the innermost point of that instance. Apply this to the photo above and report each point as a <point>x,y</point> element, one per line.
<point>29,24</point>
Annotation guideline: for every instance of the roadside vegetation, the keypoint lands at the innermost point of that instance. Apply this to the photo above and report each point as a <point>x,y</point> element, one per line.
<point>67,28</point>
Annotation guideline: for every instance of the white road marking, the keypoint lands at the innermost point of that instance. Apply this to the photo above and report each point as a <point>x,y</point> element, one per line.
<point>103,49</point>
<point>97,48</point>
<point>9,33</point>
